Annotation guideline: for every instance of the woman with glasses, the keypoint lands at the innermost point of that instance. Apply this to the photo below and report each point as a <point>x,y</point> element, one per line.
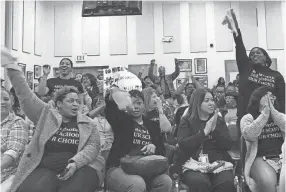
<point>263,128</point>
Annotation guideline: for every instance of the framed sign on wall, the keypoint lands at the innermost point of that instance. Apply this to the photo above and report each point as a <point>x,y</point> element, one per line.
<point>200,66</point>
<point>37,71</point>
<point>185,64</point>
<point>202,79</point>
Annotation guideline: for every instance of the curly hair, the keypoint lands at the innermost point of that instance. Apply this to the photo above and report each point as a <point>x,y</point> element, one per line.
<point>61,94</point>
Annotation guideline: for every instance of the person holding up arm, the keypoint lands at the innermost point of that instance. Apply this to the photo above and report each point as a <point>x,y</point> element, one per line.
<point>64,153</point>
<point>65,79</point>
<point>163,80</point>
<point>133,135</point>
<point>154,110</point>
<point>254,70</point>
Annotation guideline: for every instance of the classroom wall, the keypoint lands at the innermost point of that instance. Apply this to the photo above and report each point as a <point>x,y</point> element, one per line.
<point>129,40</point>
<point>25,32</point>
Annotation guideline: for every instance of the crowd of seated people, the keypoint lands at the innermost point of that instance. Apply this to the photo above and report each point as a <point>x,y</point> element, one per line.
<point>79,133</point>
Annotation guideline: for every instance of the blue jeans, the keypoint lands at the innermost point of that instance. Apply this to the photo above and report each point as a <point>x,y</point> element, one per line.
<point>118,181</point>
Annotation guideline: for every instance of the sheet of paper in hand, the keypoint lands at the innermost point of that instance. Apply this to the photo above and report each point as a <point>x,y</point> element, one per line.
<point>122,78</point>
<point>230,20</point>
<point>7,57</point>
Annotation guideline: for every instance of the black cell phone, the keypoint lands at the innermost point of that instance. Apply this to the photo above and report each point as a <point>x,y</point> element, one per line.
<point>63,173</point>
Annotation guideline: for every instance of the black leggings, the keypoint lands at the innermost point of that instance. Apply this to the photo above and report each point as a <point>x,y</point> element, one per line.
<point>203,182</point>
<point>44,180</point>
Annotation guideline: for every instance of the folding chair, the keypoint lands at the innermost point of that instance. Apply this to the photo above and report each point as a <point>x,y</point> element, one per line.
<point>242,185</point>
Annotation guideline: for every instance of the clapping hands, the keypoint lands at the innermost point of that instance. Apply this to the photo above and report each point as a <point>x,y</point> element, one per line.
<point>266,107</point>
<point>270,99</point>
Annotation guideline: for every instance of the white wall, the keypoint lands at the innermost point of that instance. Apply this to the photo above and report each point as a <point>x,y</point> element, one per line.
<point>2,32</point>
<point>215,60</point>
<point>283,69</point>
<point>38,53</point>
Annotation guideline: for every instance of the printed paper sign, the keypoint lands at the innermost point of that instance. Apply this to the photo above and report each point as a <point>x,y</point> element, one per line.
<point>122,78</point>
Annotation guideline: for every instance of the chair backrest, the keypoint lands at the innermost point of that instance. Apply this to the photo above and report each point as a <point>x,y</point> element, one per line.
<point>242,152</point>
<point>233,131</point>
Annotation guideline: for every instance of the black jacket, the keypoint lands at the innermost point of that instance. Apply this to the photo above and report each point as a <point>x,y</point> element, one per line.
<point>123,127</point>
<point>191,138</point>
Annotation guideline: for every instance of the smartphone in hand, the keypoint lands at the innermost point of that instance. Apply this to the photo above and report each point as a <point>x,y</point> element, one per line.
<point>63,173</point>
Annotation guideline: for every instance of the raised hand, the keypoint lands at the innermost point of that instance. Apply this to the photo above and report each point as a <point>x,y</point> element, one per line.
<point>270,104</point>
<point>266,107</point>
<point>121,98</point>
<point>7,57</point>
<point>46,69</point>
<point>231,21</point>
<point>234,18</point>
<point>176,61</point>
